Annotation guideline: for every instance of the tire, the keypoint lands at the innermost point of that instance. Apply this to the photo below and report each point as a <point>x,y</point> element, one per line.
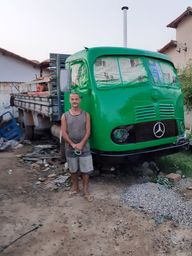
<point>29,132</point>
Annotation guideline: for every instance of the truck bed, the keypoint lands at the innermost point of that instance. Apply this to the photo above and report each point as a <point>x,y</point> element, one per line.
<point>48,103</point>
<point>42,104</point>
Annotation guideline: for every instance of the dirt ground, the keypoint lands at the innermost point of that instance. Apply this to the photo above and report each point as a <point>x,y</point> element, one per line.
<point>68,226</point>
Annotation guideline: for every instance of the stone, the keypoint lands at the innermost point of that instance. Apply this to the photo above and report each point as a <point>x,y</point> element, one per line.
<point>10,171</point>
<point>65,167</point>
<point>145,165</point>
<point>19,155</point>
<point>46,170</point>
<point>148,172</point>
<point>27,142</point>
<point>61,179</point>
<point>153,166</point>
<point>18,146</point>
<point>42,179</point>
<point>35,166</point>
<point>52,175</point>
<point>175,177</point>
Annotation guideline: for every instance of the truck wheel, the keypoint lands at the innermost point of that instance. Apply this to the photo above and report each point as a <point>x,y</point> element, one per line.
<point>29,132</point>
<point>62,150</point>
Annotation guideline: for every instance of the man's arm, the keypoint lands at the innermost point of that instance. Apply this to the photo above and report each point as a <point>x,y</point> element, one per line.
<point>87,133</point>
<point>64,132</point>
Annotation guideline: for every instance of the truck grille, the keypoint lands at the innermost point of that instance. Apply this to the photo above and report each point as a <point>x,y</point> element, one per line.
<point>145,131</point>
<point>150,131</point>
<point>166,111</point>
<point>151,112</point>
<point>145,113</point>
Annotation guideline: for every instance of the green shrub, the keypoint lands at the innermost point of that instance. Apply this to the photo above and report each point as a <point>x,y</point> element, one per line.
<point>186,85</point>
<point>180,162</point>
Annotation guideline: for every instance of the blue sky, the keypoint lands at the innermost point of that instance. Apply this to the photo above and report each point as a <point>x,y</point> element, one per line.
<point>34,28</point>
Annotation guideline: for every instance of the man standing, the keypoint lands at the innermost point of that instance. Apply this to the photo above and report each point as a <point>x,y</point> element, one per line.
<point>75,126</point>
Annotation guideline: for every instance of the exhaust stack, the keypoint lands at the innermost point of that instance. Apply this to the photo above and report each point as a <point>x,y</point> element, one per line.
<point>124,9</point>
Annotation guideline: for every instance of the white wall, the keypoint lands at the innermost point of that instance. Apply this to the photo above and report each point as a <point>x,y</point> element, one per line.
<point>5,90</point>
<point>14,70</point>
<point>183,36</point>
<point>183,33</point>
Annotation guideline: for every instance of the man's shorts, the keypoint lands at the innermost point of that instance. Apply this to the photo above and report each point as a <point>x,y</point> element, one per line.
<point>84,164</point>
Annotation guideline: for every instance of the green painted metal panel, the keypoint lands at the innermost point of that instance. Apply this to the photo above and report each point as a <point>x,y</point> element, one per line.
<point>119,104</point>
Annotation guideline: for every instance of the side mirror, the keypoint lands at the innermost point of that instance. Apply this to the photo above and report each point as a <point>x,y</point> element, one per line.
<point>64,80</point>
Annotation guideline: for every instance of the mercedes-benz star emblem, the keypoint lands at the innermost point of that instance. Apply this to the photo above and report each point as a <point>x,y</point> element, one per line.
<point>159,130</point>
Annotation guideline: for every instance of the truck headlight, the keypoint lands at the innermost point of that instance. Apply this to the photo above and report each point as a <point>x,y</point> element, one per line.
<point>120,135</point>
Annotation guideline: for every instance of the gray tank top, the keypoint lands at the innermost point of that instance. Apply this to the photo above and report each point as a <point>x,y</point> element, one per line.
<point>76,128</point>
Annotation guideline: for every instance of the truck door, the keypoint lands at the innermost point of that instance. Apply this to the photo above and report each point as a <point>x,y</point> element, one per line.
<point>80,83</point>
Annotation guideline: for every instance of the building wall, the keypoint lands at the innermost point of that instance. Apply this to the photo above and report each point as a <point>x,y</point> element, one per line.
<point>175,56</point>
<point>183,33</point>
<point>5,90</point>
<point>184,36</point>
<point>14,70</point>
<point>14,73</point>
<point>179,56</point>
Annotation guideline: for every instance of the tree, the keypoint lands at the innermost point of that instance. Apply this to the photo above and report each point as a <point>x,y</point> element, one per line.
<point>186,85</point>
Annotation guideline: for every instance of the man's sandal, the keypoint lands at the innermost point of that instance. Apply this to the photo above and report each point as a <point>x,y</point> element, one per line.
<point>88,197</point>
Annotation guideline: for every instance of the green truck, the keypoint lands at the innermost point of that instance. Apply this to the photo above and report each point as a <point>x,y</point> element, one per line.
<point>133,96</point>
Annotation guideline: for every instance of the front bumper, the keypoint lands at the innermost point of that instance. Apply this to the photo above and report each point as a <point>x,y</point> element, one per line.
<point>106,158</point>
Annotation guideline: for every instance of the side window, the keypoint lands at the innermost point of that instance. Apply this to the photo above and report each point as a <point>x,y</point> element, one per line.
<point>162,72</point>
<point>79,75</point>
<point>155,71</point>
<point>169,74</point>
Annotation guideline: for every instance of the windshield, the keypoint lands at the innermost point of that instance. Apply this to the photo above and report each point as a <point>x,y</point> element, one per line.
<point>119,71</point>
<point>163,72</point>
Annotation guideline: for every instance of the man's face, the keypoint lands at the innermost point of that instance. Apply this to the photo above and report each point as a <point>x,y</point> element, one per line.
<point>74,100</point>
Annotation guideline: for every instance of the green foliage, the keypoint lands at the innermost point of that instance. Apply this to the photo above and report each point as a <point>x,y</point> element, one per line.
<point>186,84</point>
<point>180,162</point>
<point>163,181</point>
<point>189,134</point>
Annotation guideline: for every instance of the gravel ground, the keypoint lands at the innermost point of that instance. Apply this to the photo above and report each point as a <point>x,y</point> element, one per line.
<point>71,225</point>
<point>161,202</point>
<point>183,184</point>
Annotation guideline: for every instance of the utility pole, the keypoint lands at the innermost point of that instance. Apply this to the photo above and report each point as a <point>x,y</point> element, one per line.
<point>124,9</point>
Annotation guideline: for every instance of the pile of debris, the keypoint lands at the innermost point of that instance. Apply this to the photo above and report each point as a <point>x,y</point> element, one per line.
<point>45,159</point>
<point>42,152</point>
<point>9,144</point>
